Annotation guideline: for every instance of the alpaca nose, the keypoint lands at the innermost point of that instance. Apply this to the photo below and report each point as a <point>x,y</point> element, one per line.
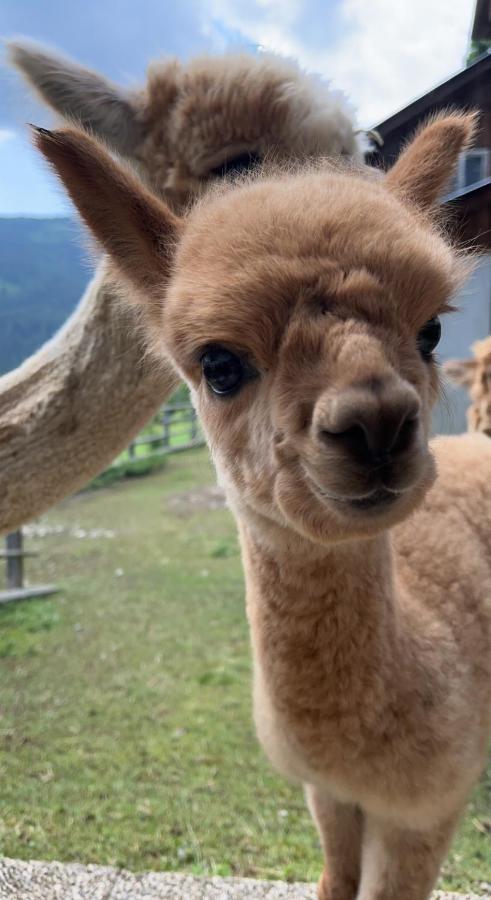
<point>374,421</point>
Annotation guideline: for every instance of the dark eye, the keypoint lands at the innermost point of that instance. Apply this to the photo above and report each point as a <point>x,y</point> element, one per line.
<point>428,338</point>
<point>237,164</point>
<point>223,370</point>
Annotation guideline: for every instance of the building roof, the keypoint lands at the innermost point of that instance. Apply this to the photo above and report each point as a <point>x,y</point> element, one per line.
<point>438,94</point>
<point>472,190</point>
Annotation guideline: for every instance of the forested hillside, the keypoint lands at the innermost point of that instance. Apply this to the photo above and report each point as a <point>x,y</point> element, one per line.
<point>44,268</point>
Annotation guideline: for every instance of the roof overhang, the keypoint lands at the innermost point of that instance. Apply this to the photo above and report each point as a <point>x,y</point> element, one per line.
<point>440,94</point>
<point>480,187</point>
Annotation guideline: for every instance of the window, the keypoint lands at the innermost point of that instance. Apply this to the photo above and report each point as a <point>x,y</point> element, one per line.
<point>474,166</point>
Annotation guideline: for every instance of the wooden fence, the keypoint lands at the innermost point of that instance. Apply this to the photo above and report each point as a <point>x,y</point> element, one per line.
<point>14,555</point>
<point>176,427</point>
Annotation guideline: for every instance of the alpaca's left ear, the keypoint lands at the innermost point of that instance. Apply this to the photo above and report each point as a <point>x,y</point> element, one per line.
<point>137,230</point>
<point>425,167</point>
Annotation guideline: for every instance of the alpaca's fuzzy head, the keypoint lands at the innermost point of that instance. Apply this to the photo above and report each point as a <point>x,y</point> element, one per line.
<point>228,112</point>
<point>302,310</point>
<point>192,123</point>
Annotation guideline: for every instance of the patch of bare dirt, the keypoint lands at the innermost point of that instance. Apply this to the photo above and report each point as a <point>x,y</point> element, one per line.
<point>190,502</point>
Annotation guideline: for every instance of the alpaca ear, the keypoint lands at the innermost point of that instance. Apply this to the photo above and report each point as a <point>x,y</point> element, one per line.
<point>78,94</point>
<point>137,230</point>
<point>460,371</point>
<point>425,167</point>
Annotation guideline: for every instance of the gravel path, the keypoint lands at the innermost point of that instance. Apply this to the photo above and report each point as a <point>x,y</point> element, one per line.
<point>56,881</point>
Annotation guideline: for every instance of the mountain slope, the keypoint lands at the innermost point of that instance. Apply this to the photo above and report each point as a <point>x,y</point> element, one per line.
<point>43,273</point>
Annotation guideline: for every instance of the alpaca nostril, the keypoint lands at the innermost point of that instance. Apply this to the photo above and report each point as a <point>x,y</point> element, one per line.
<point>374,439</point>
<point>352,439</point>
<point>405,435</point>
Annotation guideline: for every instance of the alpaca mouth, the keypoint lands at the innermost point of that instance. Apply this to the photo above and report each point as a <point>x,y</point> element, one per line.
<point>378,499</point>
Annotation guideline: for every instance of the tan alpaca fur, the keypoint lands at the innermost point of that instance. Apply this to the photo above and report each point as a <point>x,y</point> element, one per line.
<point>475,374</point>
<point>368,581</point>
<point>187,120</point>
<point>88,391</point>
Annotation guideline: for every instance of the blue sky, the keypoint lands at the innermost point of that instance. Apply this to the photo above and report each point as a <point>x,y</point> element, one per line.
<point>381,53</point>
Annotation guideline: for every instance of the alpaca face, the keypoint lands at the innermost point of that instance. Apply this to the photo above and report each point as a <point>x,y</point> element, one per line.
<point>193,123</point>
<point>303,311</point>
<point>226,114</point>
<point>303,314</point>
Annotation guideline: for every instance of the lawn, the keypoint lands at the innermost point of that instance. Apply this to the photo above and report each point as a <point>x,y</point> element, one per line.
<point>126,733</point>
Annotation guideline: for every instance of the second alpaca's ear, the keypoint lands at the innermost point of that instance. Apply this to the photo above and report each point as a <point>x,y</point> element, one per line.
<point>426,165</point>
<point>79,95</point>
<point>138,231</point>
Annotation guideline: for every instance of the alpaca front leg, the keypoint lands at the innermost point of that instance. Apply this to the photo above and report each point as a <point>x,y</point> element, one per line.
<point>398,864</point>
<point>340,831</point>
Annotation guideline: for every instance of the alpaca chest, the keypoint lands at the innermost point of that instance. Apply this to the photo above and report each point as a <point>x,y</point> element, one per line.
<point>312,724</point>
<point>320,680</point>
<point>309,755</point>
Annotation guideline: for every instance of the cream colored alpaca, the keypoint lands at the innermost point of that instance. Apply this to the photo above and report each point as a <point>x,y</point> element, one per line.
<point>68,411</point>
<point>302,309</point>
<point>475,375</point>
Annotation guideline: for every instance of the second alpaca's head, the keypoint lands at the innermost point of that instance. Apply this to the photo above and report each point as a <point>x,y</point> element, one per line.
<point>191,124</point>
<point>302,308</point>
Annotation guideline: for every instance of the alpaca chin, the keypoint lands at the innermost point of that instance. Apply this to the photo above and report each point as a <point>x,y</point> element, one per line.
<point>324,520</point>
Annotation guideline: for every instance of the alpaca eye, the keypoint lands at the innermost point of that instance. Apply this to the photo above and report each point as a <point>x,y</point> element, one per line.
<point>237,164</point>
<point>428,338</point>
<point>223,370</point>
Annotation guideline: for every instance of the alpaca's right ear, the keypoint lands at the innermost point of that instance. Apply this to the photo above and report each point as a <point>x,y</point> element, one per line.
<point>137,230</point>
<point>460,371</point>
<point>78,94</point>
<point>425,166</point>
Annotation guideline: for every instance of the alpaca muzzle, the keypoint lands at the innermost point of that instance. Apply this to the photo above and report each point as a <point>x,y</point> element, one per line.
<point>368,441</point>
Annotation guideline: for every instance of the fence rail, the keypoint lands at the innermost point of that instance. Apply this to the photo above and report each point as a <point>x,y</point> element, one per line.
<point>14,555</point>
<point>175,427</point>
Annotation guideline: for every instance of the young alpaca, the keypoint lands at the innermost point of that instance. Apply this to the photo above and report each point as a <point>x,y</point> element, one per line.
<point>475,374</point>
<point>187,125</point>
<point>302,311</point>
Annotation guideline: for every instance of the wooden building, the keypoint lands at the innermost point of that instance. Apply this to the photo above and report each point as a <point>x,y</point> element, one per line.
<point>468,196</point>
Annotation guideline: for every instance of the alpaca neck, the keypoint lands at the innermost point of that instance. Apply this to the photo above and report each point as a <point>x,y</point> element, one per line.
<point>327,618</point>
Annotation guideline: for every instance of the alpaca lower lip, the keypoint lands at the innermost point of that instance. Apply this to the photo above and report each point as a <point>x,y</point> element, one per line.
<point>379,498</point>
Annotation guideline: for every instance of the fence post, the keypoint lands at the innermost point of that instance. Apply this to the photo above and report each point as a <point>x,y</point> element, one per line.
<point>14,555</point>
<point>193,424</point>
<point>15,561</point>
<point>166,420</point>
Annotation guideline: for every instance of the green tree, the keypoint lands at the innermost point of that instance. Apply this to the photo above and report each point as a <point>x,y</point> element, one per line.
<point>477,49</point>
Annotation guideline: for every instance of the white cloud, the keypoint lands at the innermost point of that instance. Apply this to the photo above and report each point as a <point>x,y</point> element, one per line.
<point>395,51</point>
<point>6,134</point>
<point>386,53</point>
<point>269,24</point>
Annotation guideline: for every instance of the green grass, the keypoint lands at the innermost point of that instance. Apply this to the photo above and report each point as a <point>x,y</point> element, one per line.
<point>125,467</point>
<point>126,734</point>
